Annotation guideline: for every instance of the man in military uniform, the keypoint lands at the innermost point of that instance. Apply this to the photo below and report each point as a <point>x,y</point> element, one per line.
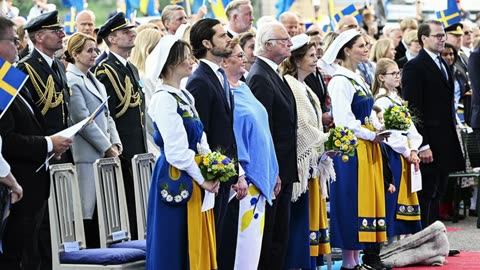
<point>126,102</point>
<point>47,85</point>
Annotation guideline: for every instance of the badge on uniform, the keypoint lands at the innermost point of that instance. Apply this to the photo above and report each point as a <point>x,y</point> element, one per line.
<point>140,83</point>
<point>70,91</point>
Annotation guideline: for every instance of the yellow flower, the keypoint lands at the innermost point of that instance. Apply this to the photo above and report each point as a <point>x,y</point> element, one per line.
<point>344,158</point>
<point>337,143</point>
<point>345,147</point>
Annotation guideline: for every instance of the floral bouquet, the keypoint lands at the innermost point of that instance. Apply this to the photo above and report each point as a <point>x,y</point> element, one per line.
<point>397,117</point>
<point>215,165</point>
<point>343,141</point>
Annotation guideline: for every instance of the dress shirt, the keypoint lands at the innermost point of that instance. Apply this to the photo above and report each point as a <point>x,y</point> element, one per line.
<point>163,111</point>
<point>408,55</point>
<point>399,143</point>
<point>228,29</point>
<point>4,167</point>
<point>341,93</point>
<point>47,58</point>
<point>466,51</point>
<point>434,57</point>
<point>121,59</point>
<point>272,64</point>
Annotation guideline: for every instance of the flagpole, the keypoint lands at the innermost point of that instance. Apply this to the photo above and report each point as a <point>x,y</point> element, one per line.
<point>188,8</point>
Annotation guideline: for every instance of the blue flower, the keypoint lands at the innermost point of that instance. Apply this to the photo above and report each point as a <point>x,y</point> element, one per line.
<point>214,162</point>
<point>225,161</point>
<point>353,142</point>
<point>342,132</point>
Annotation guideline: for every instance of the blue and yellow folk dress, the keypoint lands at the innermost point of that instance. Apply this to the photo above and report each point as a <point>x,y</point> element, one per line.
<point>357,197</point>
<point>179,235</point>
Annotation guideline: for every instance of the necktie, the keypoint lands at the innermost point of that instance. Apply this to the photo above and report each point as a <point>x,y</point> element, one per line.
<point>55,69</point>
<point>226,86</point>
<point>444,72</point>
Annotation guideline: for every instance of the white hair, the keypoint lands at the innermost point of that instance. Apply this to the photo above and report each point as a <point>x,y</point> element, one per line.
<point>265,32</point>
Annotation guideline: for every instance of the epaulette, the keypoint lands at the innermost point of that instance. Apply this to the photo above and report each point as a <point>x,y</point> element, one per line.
<point>25,58</point>
<point>100,66</point>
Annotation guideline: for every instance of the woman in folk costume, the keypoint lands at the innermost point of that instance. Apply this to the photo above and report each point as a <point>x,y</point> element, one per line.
<point>403,211</point>
<point>256,155</point>
<point>357,198</point>
<point>180,236</point>
<point>309,237</point>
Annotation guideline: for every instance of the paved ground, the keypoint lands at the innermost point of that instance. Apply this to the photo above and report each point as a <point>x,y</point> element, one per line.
<point>466,239</point>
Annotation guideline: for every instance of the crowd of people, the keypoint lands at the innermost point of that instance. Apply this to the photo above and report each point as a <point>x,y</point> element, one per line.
<point>267,96</point>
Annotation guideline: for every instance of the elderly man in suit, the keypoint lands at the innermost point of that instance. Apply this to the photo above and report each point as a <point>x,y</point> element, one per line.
<point>240,17</point>
<point>272,46</point>
<point>26,145</point>
<point>432,101</point>
<point>126,102</point>
<point>214,102</point>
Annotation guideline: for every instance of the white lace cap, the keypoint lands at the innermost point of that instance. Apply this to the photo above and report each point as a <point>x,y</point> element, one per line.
<point>331,54</point>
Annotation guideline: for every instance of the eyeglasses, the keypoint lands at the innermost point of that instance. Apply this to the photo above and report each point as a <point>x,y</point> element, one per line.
<point>57,31</point>
<point>467,32</point>
<point>15,40</point>
<point>239,56</point>
<point>287,39</point>
<point>394,74</point>
<point>438,36</point>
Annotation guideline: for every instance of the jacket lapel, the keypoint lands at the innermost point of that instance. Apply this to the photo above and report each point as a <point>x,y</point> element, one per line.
<point>36,115</point>
<point>218,86</point>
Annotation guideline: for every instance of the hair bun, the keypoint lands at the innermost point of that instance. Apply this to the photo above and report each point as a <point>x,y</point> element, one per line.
<point>68,58</point>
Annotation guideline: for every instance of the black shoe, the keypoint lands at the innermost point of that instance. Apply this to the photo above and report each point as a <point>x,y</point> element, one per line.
<point>453,252</point>
<point>375,266</point>
<point>472,213</point>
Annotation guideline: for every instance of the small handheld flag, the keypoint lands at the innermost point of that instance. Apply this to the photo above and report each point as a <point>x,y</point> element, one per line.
<point>449,16</point>
<point>11,81</point>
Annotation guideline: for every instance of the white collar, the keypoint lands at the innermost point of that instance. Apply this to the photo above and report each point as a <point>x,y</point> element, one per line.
<point>228,29</point>
<point>47,58</point>
<point>121,59</point>
<point>211,64</point>
<point>432,55</point>
<point>269,62</point>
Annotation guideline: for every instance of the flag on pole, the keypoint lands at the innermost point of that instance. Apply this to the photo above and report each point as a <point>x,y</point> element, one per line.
<point>130,6</point>
<point>283,6</point>
<point>11,81</point>
<point>351,10</point>
<point>77,4</point>
<point>449,16</point>
<point>69,22</point>
<point>147,7</point>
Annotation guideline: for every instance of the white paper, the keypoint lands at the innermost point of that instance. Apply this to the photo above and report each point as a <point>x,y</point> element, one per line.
<point>120,235</point>
<point>71,246</point>
<point>416,179</point>
<point>73,130</point>
<point>208,201</point>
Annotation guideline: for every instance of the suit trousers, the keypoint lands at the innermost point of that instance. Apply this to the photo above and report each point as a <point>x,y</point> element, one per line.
<point>220,210</point>
<point>276,231</point>
<point>434,188</point>
<point>21,239</point>
<point>228,246</point>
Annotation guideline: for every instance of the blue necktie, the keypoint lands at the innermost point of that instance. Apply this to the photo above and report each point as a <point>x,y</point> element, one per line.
<point>226,86</point>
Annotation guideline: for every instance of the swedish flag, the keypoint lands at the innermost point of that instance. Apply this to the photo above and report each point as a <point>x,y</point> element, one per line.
<point>69,23</point>
<point>449,16</point>
<point>350,10</point>
<point>11,80</point>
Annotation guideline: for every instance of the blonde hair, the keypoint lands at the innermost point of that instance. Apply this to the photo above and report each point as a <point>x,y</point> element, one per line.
<point>408,23</point>
<point>410,36</point>
<point>382,66</point>
<point>233,6</point>
<point>380,48</point>
<point>145,26</point>
<point>75,44</point>
<point>145,41</point>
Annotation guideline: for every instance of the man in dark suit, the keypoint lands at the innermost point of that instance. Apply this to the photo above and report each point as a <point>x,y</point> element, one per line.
<point>474,67</point>
<point>428,87</point>
<point>214,103</point>
<point>47,85</point>
<point>25,147</point>
<point>126,102</point>
<point>272,46</point>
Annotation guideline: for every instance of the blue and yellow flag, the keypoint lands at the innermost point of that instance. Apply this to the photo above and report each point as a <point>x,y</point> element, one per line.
<point>449,16</point>
<point>147,7</point>
<point>350,10</point>
<point>11,81</point>
<point>77,4</point>
<point>69,23</point>
<point>283,6</point>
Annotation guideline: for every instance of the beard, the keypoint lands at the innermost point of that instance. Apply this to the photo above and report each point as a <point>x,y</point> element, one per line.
<point>221,52</point>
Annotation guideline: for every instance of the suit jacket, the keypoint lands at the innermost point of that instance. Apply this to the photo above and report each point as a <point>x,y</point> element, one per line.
<point>129,120</point>
<point>277,98</point>
<point>474,68</point>
<point>40,73</point>
<point>87,95</point>
<point>316,82</point>
<point>25,149</point>
<point>431,101</point>
<point>400,50</point>
<point>215,113</point>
